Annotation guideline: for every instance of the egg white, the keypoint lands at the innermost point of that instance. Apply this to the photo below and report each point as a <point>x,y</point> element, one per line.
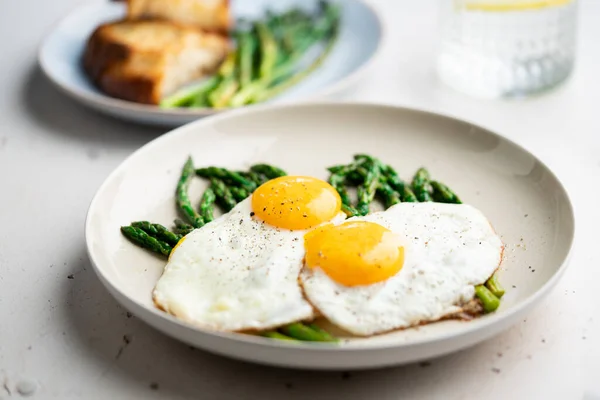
<point>236,273</point>
<point>449,248</point>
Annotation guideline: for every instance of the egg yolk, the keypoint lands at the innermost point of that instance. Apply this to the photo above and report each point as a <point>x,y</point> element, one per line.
<point>296,202</point>
<point>354,253</point>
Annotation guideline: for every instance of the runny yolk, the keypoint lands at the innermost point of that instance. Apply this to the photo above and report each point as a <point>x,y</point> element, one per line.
<point>354,253</point>
<point>296,202</point>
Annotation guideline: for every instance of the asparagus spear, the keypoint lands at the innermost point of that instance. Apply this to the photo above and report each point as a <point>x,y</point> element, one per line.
<point>227,176</point>
<point>267,170</point>
<point>183,231</point>
<point>268,48</point>
<point>443,194</point>
<point>322,331</point>
<point>206,204</point>
<point>258,179</point>
<point>300,331</point>
<point>180,224</point>
<point>222,94</point>
<point>294,34</point>
<point>366,191</point>
<point>223,194</point>
<point>260,90</point>
<point>489,301</point>
<point>238,193</point>
<point>389,195</point>
<point>228,85</point>
<point>421,185</point>
<point>332,31</point>
<point>142,239</point>
<point>247,48</point>
<point>340,168</point>
<point>294,79</point>
<point>337,181</point>
<point>276,335</point>
<point>158,231</point>
<point>183,200</point>
<point>408,195</point>
<point>494,286</point>
<point>188,96</point>
<point>393,179</point>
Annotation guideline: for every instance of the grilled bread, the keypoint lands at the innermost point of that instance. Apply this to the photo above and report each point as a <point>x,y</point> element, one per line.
<point>209,15</point>
<point>143,61</point>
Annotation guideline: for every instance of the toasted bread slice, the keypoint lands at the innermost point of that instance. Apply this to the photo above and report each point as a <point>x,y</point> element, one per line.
<point>143,61</point>
<point>210,15</point>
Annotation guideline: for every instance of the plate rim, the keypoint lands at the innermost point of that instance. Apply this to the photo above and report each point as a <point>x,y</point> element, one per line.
<point>478,324</point>
<point>107,102</point>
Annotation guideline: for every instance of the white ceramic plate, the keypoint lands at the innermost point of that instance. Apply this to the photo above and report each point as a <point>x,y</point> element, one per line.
<point>524,201</point>
<point>60,55</point>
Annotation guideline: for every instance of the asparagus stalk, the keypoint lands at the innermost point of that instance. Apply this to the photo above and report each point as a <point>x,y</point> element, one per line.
<point>189,96</point>
<point>268,47</point>
<point>331,28</point>
<point>267,170</point>
<point>206,204</point>
<point>300,331</point>
<point>222,94</point>
<point>494,286</point>
<point>488,300</point>
<point>366,191</point>
<point>142,239</point>
<point>183,231</point>
<point>389,195</point>
<point>276,335</point>
<point>279,88</point>
<point>408,196</point>
<point>183,200</point>
<point>323,332</point>
<point>227,176</point>
<point>337,181</point>
<point>394,180</point>
<point>247,48</point>
<point>180,224</point>
<point>228,85</point>
<point>421,185</point>
<point>158,231</point>
<point>238,193</point>
<point>223,194</point>
<point>258,179</point>
<point>260,90</point>
<point>443,194</point>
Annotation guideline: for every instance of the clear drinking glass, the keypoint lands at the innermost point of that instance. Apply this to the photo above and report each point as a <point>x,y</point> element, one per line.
<point>506,48</point>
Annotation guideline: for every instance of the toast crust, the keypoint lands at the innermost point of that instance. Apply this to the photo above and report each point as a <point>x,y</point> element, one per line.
<point>208,15</point>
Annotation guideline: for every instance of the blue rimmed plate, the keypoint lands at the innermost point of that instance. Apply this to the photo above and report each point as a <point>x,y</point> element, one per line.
<point>60,59</point>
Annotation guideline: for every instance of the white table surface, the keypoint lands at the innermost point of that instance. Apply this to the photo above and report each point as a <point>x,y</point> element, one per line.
<point>62,338</point>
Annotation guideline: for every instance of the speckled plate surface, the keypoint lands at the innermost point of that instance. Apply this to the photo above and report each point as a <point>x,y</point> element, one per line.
<point>359,41</point>
<point>522,198</point>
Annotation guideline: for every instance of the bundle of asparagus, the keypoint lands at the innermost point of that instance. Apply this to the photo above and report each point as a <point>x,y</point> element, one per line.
<point>267,59</point>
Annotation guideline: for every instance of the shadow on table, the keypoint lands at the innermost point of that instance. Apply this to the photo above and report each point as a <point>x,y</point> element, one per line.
<point>59,114</point>
<point>130,350</point>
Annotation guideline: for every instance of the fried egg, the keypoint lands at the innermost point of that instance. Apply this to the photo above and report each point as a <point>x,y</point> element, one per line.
<point>240,271</point>
<point>411,264</point>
